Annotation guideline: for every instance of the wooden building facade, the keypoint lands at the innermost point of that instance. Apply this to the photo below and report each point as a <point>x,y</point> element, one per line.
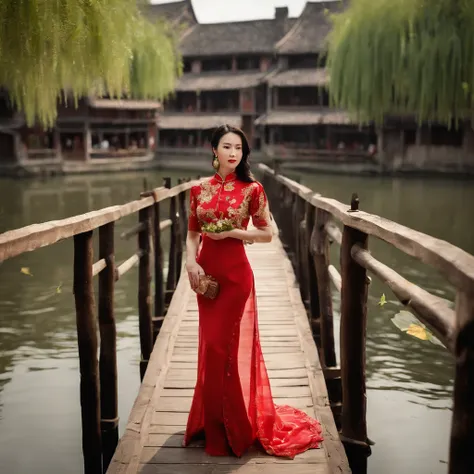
<point>102,132</point>
<point>264,76</point>
<point>225,66</point>
<point>299,120</point>
<point>269,78</point>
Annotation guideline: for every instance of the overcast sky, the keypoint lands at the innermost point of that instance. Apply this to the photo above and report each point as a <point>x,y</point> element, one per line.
<point>214,11</point>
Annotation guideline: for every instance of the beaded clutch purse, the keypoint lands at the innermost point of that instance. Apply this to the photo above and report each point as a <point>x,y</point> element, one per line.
<point>208,287</point>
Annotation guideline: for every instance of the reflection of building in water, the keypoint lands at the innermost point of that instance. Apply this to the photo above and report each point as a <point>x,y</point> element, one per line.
<point>269,78</point>
<point>99,133</point>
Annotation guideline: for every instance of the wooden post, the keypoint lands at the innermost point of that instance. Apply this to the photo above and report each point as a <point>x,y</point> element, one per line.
<point>159,285</point>
<point>108,346</point>
<point>303,261</point>
<point>180,232</point>
<point>171,280</point>
<point>87,341</point>
<point>183,214</point>
<point>312,279</point>
<point>286,221</point>
<point>320,251</point>
<point>144,294</point>
<point>295,234</point>
<point>353,335</point>
<point>277,166</point>
<point>300,247</point>
<point>462,429</point>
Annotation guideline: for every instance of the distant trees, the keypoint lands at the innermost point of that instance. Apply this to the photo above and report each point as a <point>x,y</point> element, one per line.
<point>82,47</point>
<point>404,56</point>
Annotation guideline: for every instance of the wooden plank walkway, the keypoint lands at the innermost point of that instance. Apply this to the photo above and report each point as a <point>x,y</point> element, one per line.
<point>152,441</point>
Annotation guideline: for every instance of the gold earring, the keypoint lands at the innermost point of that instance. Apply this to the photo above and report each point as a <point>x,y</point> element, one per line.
<point>215,163</point>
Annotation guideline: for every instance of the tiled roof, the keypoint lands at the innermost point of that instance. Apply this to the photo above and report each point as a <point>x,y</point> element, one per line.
<point>219,81</point>
<point>124,104</point>
<point>245,37</point>
<point>185,121</point>
<point>170,11</point>
<point>309,33</point>
<point>299,77</point>
<point>174,12</point>
<point>303,117</point>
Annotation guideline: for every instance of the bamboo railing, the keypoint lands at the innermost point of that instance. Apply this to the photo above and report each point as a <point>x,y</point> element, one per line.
<point>308,225</point>
<point>98,378</point>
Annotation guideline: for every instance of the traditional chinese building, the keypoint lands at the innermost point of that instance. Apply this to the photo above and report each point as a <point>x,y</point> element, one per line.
<point>265,76</point>
<point>269,78</point>
<point>98,134</point>
<point>299,121</point>
<point>225,66</point>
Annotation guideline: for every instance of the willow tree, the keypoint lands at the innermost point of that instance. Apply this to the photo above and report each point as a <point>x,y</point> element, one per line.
<point>50,49</point>
<point>404,57</point>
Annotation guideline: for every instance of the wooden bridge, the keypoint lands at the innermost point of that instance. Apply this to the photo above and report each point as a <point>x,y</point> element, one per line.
<point>293,278</point>
<point>152,441</point>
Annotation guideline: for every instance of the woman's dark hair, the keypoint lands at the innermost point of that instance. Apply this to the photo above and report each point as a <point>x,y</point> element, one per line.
<point>243,168</point>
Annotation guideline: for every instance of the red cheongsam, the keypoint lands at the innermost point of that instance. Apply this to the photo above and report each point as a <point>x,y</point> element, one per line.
<point>232,405</point>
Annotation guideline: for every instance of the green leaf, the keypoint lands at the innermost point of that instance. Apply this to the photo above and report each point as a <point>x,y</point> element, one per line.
<point>382,300</point>
<point>26,271</point>
<point>403,57</point>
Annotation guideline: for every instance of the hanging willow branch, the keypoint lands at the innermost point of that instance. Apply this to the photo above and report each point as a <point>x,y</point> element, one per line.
<point>82,47</point>
<point>404,57</point>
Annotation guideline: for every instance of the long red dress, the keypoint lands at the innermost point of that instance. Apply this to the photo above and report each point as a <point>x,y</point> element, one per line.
<point>232,405</point>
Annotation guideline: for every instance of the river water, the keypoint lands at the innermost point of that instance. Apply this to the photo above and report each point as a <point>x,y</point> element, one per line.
<point>409,380</point>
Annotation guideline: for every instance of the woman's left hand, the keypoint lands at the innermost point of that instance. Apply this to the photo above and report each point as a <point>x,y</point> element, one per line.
<point>218,235</point>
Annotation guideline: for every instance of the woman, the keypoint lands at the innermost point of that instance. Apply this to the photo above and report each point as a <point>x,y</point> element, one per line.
<point>232,405</point>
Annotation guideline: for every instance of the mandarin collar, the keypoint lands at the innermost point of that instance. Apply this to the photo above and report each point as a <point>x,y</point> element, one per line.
<point>230,177</point>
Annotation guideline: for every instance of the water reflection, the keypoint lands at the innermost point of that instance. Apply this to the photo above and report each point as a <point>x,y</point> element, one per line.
<point>409,381</point>
<point>39,375</point>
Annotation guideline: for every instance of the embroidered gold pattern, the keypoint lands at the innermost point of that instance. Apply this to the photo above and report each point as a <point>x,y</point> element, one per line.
<point>242,212</point>
<point>262,214</point>
<point>207,191</point>
<point>239,205</point>
<point>205,215</point>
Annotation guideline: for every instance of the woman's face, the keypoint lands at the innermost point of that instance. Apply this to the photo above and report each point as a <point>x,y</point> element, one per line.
<point>229,152</point>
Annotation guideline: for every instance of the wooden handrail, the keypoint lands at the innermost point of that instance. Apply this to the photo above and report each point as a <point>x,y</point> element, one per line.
<point>431,310</point>
<point>335,277</point>
<point>32,237</point>
<point>454,263</point>
<point>455,328</point>
<point>99,396</point>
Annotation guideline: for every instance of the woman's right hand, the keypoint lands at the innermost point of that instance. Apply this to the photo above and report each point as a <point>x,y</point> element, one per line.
<point>194,271</point>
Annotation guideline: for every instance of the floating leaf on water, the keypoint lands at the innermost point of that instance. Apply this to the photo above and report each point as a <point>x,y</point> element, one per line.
<point>404,319</point>
<point>26,271</point>
<point>382,300</point>
<point>407,322</point>
<point>418,332</point>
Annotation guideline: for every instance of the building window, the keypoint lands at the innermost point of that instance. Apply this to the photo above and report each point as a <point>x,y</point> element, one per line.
<point>223,64</point>
<point>410,137</point>
<point>187,66</point>
<point>248,63</point>
<point>304,61</point>
<point>442,136</point>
